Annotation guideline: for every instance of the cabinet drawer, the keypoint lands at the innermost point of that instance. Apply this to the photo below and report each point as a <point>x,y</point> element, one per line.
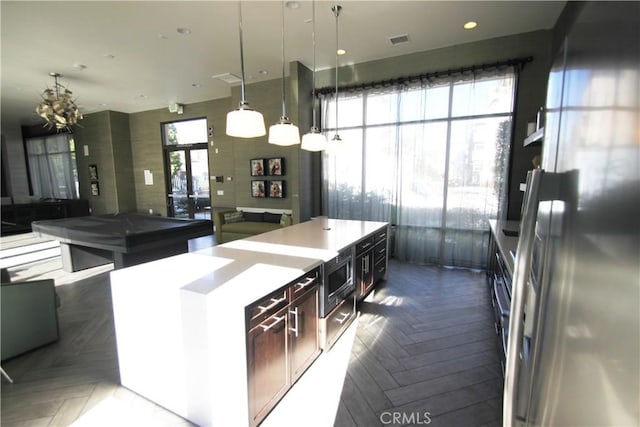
<point>364,245</point>
<point>337,321</point>
<point>304,283</point>
<point>380,252</point>
<point>265,307</point>
<point>379,271</point>
<point>380,236</point>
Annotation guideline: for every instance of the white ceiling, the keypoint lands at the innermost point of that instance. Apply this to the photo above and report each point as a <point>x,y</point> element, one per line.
<point>136,60</point>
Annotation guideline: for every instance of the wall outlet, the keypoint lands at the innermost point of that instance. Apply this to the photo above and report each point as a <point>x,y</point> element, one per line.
<point>220,192</point>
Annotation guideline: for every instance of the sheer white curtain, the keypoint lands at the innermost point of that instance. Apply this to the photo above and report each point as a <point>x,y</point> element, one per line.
<point>52,166</point>
<point>429,157</point>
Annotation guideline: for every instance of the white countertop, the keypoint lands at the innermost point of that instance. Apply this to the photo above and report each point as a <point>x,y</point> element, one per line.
<point>320,238</point>
<point>505,243</point>
<point>180,321</point>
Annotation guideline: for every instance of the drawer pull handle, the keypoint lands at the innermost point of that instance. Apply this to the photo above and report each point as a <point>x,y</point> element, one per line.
<point>275,301</point>
<point>383,250</point>
<point>306,283</point>
<point>345,316</point>
<point>265,328</point>
<point>366,245</point>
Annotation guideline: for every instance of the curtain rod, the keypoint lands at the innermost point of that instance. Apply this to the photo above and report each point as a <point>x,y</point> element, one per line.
<point>409,79</point>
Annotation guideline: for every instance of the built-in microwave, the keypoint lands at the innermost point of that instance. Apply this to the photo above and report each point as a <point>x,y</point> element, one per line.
<point>337,281</point>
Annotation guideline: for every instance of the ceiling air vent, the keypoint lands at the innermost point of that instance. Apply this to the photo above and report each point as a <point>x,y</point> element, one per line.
<point>402,38</point>
<point>228,78</point>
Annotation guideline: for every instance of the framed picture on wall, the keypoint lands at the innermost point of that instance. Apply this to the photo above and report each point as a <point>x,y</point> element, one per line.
<point>276,189</point>
<point>257,167</point>
<point>95,189</point>
<point>258,188</point>
<point>275,166</point>
<point>93,172</point>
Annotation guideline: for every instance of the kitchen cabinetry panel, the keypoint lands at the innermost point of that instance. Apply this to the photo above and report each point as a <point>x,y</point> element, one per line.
<point>337,321</point>
<point>267,364</point>
<point>304,333</point>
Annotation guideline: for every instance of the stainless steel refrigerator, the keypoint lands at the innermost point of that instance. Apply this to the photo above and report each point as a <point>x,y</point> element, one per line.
<point>574,347</point>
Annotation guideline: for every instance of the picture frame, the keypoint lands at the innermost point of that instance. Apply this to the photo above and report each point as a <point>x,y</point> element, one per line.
<point>93,172</point>
<point>257,167</point>
<point>275,166</point>
<point>95,189</point>
<point>258,188</point>
<point>276,189</point>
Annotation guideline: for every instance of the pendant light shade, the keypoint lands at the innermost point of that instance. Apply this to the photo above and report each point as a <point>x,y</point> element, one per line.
<point>284,132</point>
<point>335,145</point>
<point>244,122</point>
<point>314,140</point>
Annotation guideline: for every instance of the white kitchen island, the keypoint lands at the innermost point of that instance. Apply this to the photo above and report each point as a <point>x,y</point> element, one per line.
<point>180,321</point>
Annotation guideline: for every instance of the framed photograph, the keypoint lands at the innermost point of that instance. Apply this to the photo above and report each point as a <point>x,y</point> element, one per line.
<point>276,189</point>
<point>275,166</point>
<point>95,189</point>
<point>93,172</point>
<point>257,167</point>
<point>258,189</point>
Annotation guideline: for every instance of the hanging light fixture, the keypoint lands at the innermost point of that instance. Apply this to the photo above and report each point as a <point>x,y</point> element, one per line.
<point>334,143</point>
<point>58,109</point>
<point>314,140</point>
<point>284,132</point>
<point>244,122</point>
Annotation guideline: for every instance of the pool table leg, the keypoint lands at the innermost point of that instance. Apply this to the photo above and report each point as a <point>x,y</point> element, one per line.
<point>75,258</point>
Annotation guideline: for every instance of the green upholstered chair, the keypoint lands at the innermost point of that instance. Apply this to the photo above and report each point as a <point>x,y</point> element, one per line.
<point>28,315</point>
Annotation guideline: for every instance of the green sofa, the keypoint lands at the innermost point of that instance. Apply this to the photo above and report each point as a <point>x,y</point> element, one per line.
<point>235,224</point>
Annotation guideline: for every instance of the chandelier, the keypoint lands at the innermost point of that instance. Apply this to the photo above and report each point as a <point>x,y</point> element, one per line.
<point>57,108</point>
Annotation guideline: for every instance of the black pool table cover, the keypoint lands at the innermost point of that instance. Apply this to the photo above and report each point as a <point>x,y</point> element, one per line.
<point>122,232</point>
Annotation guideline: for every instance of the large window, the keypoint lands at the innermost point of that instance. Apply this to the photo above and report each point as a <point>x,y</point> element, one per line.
<point>430,157</point>
<point>53,171</point>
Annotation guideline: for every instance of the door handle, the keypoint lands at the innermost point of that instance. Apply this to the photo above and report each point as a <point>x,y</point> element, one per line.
<point>295,321</point>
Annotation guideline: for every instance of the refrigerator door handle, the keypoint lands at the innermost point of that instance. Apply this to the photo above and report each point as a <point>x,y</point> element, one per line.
<point>521,272</point>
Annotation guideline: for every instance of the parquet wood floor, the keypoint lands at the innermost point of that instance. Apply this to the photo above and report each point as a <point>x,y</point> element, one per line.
<point>424,354</point>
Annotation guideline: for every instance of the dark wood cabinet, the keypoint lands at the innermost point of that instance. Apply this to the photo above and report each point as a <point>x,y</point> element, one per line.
<point>364,266</point>
<point>267,364</point>
<point>337,321</point>
<point>282,342</point>
<point>303,331</point>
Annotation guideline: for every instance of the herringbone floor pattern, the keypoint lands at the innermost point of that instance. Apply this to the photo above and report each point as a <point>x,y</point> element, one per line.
<point>424,353</point>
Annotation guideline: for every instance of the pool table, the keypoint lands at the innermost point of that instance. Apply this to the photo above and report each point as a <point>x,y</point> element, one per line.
<point>125,239</point>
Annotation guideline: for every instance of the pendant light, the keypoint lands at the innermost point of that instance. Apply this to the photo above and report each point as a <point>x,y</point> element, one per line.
<point>314,140</point>
<point>334,143</point>
<point>284,132</point>
<point>244,122</point>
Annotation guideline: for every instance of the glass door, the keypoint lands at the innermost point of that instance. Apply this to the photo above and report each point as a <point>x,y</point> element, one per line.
<point>188,184</point>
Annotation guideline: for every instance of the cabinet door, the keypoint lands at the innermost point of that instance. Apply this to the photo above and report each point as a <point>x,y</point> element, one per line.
<point>364,273</point>
<point>267,364</point>
<point>337,321</point>
<point>303,332</point>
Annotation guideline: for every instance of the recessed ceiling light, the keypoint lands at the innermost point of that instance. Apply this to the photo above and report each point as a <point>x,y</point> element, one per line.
<point>470,25</point>
<point>263,72</point>
<point>184,31</point>
<point>195,84</point>
<point>292,4</point>
<point>109,56</point>
<point>341,52</point>
<point>163,36</point>
<point>79,66</point>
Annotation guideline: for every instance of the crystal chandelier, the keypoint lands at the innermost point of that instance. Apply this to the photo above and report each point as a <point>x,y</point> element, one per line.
<point>57,108</point>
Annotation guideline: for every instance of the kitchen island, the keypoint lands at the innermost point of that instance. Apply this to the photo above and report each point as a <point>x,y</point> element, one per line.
<point>181,322</point>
